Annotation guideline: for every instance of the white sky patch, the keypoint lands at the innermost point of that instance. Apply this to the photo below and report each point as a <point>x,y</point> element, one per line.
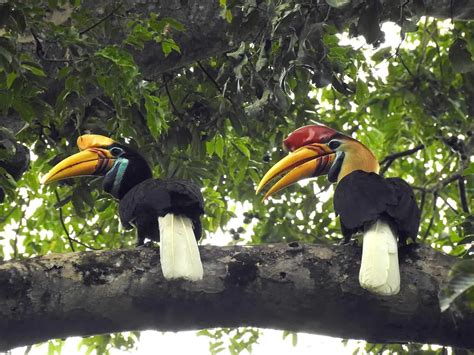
<point>187,342</point>
<point>32,207</point>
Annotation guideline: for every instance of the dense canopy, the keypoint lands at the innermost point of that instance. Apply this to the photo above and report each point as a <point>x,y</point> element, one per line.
<point>208,91</point>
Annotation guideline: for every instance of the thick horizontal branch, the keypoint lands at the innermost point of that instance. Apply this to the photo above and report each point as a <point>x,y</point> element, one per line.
<point>294,287</point>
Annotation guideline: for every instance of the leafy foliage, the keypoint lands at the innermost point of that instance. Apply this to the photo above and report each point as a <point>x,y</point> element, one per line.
<point>233,340</point>
<point>461,281</point>
<point>64,71</point>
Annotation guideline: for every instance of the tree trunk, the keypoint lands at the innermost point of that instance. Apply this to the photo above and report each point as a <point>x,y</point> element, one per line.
<point>307,288</point>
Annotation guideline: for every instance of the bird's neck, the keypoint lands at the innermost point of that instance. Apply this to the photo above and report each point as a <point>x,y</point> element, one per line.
<point>125,175</point>
<point>358,157</point>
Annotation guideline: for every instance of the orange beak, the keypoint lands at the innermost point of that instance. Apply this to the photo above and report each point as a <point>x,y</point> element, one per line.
<point>308,161</point>
<point>92,160</point>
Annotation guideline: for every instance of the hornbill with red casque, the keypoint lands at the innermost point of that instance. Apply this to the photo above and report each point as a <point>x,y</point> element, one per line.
<point>382,209</point>
<point>166,210</point>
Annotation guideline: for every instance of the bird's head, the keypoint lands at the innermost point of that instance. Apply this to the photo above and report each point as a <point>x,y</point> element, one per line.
<point>318,150</point>
<point>121,166</point>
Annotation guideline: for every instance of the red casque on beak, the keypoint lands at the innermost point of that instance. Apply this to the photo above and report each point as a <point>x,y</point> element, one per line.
<point>307,135</point>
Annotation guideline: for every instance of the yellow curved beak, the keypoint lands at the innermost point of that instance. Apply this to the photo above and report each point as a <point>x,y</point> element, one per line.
<point>308,161</point>
<point>91,161</point>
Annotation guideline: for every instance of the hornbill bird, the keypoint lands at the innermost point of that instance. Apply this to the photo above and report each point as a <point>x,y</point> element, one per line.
<point>166,210</point>
<point>381,209</point>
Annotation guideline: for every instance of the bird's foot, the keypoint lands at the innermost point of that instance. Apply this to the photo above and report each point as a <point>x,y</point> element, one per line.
<point>141,243</point>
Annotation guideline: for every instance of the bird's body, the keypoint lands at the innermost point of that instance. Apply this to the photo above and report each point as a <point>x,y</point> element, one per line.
<point>162,210</point>
<point>383,210</point>
<point>154,198</point>
<point>168,211</point>
<point>362,198</point>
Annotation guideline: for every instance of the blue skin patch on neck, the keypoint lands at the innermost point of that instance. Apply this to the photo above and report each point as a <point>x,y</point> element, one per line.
<point>121,165</point>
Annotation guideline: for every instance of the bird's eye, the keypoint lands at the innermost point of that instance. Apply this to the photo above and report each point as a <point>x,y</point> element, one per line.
<point>116,151</point>
<point>334,144</point>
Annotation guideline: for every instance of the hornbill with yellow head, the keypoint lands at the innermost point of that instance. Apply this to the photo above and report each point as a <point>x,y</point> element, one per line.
<point>382,209</point>
<point>166,210</point>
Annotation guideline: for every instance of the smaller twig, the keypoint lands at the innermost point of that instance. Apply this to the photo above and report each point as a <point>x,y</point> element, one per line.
<point>101,20</point>
<point>221,91</point>
<point>111,108</point>
<point>447,181</point>
<point>424,45</point>
<point>422,201</point>
<point>84,244</point>
<point>209,76</point>
<point>61,218</point>
<point>399,56</point>
<point>70,239</point>
<point>448,204</point>
<point>388,160</point>
<point>439,52</point>
<point>463,195</point>
<point>451,11</point>
<point>427,232</point>
<point>175,110</point>
<point>15,244</point>
<point>4,218</point>
<point>42,54</point>
<point>402,7</point>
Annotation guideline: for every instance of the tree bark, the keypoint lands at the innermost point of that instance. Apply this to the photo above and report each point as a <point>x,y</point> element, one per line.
<point>307,288</point>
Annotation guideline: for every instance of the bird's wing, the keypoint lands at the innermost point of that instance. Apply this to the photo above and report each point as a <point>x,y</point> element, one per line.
<point>405,212</point>
<point>361,198</point>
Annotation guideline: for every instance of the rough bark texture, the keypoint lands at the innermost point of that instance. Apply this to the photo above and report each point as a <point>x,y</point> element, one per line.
<point>295,287</point>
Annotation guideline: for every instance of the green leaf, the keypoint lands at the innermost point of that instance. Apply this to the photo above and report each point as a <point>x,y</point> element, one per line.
<point>228,15</point>
<point>5,53</point>
<point>362,92</point>
<point>219,146</point>
<point>460,57</point>
<point>174,23</point>
<point>155,117</point>
<point>118,56</point>
<point>460,279</point>
<point>338,3</point>
<point>168,45</point>
<point>33,68</point>
<point>19,18</point>
<point>242,148</point>
<point>239,53</point>
<point>382,54</point>
<point>11,78</point>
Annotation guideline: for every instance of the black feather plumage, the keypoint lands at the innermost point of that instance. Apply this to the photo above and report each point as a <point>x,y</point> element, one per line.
<point>154,198</point>
<point>361,198</point>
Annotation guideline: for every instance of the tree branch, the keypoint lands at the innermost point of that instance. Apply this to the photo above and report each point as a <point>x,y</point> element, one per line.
<point>388,160</point>
<point>294,287</point>
<point>113,11</point>
<point>463,195</point>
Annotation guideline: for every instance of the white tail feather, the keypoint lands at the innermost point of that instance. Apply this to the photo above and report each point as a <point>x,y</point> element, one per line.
<point>379,271</point>
<point>179,252</point>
